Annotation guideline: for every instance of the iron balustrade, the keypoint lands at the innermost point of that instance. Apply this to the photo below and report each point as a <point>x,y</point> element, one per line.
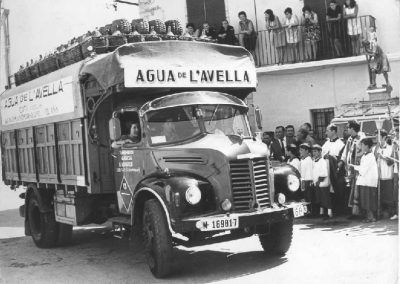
<point>297,48</point>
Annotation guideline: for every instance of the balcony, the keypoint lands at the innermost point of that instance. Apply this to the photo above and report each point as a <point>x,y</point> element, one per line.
<point>289,45</point>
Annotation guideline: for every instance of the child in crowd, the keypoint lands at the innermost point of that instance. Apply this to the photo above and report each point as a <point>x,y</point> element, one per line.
<point>367,180</point>
<point>306,175</point>
<point>293,154</point>
<point>321,181</point>
<point>372,38</point>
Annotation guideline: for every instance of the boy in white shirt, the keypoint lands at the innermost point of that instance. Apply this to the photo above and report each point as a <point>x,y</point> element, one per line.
<point>321,181</point>
<point>306,176</point>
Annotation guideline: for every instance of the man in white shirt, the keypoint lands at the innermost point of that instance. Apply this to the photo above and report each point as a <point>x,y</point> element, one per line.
<point>333,145</point>
<point>331,151</point>
<point>384,152</point>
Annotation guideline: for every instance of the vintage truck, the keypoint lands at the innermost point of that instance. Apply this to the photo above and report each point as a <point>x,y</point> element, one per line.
<point>194,173</point>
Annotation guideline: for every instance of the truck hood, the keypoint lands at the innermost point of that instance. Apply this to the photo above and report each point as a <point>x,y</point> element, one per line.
<point>232,147</point>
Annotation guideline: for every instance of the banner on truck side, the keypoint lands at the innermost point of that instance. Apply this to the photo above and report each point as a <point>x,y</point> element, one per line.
<point>182,77</point>
<point>48,100</point>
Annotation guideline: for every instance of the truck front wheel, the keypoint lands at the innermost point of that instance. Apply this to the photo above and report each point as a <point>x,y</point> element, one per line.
<point>279,239</point>
<point>43,225</point>
<point>157,239</point>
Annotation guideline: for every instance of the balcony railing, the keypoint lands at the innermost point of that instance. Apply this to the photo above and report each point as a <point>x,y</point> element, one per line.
<point>301,43</point>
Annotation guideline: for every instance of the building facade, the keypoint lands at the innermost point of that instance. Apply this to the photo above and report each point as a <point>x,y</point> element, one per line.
<point>304,91</point>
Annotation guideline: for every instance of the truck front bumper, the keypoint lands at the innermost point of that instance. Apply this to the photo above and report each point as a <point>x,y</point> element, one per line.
<point>243,219</point>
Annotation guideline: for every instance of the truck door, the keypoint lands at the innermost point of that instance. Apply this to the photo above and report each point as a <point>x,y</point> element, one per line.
<point>128,153</point>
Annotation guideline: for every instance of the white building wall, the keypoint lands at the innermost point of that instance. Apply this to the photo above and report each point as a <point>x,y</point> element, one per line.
<point>287,96</point>
<point>164,10</point>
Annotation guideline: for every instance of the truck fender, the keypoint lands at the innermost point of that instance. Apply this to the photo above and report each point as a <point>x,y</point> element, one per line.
<point>145,193</point>
<point>41,196</point>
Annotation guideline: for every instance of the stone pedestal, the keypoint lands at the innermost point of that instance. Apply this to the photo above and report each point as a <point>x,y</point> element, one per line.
<point>377,94</point>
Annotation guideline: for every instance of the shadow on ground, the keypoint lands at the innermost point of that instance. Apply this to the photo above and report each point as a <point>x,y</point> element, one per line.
<point>97,249</point>
<point>341,224</point>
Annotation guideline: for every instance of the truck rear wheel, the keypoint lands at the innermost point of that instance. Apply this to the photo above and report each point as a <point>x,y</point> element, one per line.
<point>157,239</point>
<point>279,239</point>
<point>44,229</point>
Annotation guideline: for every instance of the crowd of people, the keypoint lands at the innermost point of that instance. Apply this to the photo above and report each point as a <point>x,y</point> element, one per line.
<point>342,176</point>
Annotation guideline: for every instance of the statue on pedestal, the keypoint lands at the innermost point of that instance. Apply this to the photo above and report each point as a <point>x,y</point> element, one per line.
<point>378,63</point>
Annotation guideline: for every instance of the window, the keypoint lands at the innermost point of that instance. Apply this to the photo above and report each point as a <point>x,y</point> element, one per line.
<point>212,11</point>
<point>321,119</point>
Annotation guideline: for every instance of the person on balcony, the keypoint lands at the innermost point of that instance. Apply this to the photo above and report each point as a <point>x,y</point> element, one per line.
<point>333,17</point>
<point>276,33</point>
<point>247,34</point>
<point>291,24</point>
<point>206,32</point>
<point>226,34</point>
<point>353,25</point>
<point>312,32</point>
<point>190,30</point>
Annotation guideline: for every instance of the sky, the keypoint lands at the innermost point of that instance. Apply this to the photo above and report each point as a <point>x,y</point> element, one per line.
<point>38,26</point>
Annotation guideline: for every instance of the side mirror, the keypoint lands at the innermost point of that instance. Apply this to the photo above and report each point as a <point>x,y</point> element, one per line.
<point>258,115</point>
<point>114,127</point>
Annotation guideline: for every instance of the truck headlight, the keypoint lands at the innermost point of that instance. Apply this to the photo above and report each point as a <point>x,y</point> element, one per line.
<point>226,205</point>
<point>193,195</point>
<point>293,182</point>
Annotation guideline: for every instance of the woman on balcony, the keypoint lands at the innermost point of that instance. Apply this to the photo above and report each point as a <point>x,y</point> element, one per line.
<point>274,27</point>
<point>353,25</point>
<point>312,32</point>
<point>291,24</point>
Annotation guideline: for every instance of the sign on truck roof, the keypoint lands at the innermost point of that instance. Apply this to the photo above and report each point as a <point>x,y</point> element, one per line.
<point>175,64</point>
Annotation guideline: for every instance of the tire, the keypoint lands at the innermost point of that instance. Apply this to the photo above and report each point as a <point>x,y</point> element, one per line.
<point>157,239</point>
<point>43,226</point>
<point>279,239</point>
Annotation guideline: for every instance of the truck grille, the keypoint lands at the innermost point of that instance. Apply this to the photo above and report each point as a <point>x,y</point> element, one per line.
<point>249,180</point>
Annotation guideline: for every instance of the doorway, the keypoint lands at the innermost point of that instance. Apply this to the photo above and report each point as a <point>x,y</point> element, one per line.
<point>212,11</point>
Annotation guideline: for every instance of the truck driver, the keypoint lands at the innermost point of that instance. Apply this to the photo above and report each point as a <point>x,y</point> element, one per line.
<point>132,137</point>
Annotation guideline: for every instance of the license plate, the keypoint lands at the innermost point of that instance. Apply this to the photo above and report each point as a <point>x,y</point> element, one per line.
<point>213,224</point>
<point>299,210</point>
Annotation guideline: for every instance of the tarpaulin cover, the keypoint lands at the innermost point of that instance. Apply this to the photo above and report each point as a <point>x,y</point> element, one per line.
<point>174,64</point>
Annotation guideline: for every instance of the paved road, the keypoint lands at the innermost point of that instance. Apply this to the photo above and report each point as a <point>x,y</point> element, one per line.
<point>334,252</point>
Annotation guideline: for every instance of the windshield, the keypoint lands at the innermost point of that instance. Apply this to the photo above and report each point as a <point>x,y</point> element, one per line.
<point>181,123</point>
<point>225,120</point>
<point>370,129</point>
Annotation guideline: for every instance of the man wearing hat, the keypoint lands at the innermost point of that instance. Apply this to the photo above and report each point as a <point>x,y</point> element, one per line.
<point>320,175</point>
<point>352,155</point>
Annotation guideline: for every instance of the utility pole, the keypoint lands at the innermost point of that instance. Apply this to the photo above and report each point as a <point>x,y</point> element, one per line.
<point>4,29</point>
